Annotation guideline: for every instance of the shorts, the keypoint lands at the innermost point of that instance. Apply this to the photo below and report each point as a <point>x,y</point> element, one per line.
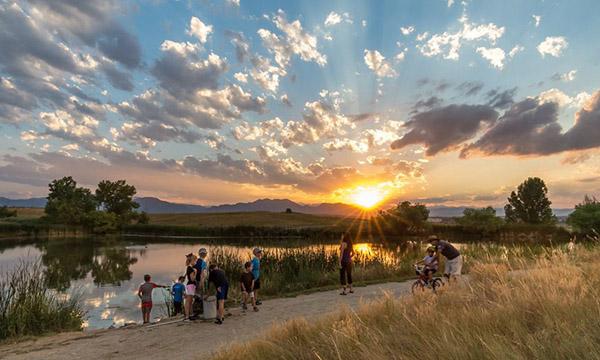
<point>146,306</point>
<point>427,271</point>
<point>454,266</point>
<point>257,284</point>
<point>190,289</point>
<point>250,293</point>
<point>222,295</point>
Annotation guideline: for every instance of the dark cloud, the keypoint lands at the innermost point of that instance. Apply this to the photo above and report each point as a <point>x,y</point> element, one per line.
<point>428,103</point>
<point>362,116</point>
<point>531,127</point>
<point>445,128</point>
<point>119,79</point>
<point>470,88</point>
<point>501,99</point>
<point>241,45</point>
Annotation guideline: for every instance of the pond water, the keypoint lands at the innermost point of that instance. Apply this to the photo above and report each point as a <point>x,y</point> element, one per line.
<point>107,273</point>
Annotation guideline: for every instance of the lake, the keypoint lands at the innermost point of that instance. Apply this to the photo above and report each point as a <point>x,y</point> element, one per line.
<point>107,272</point>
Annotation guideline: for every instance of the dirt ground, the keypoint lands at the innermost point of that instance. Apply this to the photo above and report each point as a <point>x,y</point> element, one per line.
<point>176,339</point>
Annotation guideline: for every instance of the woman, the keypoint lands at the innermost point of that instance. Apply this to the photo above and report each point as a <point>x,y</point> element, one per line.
<point>190,288</point>
<point>346,254</point>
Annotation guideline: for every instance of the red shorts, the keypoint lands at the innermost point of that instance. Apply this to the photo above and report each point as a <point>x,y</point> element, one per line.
<point>146,305</point>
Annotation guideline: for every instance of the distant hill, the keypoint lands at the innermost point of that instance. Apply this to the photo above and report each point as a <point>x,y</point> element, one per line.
<point>154,205</point>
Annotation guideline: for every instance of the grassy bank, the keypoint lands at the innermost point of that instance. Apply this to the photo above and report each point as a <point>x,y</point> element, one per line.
<point>28,307</point>
<point>548,312</point>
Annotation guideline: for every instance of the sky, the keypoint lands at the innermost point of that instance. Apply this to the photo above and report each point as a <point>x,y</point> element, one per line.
<point>221,101</point>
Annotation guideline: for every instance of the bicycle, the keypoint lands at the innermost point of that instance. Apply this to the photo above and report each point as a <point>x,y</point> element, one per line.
<point>423,283</point>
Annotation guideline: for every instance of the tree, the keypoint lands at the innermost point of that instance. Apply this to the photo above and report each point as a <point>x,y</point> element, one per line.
<point>530,204</point>
<point>67,203</point>
<point>484,218</point>
<point>5,212</point>
<point>404,217</point>
<point>586,217</point>
<point>143,218</point>
<point>117,197</point>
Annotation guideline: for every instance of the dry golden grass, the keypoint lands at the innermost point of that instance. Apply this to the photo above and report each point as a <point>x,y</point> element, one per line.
<point>258,219</point>
<point>29,213</point>
<point>550,311</point>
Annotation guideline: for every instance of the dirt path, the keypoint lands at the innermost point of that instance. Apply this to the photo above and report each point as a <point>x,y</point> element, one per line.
<point>177,340</point>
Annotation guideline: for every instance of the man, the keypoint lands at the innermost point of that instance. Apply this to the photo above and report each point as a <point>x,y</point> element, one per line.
<point>218,278</point>
<point>453,265</point>
<point>201,274</point>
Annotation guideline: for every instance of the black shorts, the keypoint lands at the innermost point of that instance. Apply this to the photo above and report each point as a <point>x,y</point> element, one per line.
<point>257,284</point>
<point>177,307</point>
<point>426,272</point>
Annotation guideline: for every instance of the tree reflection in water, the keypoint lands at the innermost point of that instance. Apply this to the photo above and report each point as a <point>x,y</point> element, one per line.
<point>67,261</point>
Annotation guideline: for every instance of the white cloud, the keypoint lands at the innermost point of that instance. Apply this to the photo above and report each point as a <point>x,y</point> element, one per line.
<point>364,23</point>
<point>568,76</point>
<point>233,2</point>
<point>265,74</point>
<point>536,19</point>
<point>346,144</point>
<point>450,3</point>
<point>515,50</point>
<point>241,77</point>
<point>494,55</point>
<point>199,30</point>
<point>377,63</point>
<point>334,18</point>
<point>449,44</point>
<point>407,30</point>
<point>553,46</point>
<point>562,99</point>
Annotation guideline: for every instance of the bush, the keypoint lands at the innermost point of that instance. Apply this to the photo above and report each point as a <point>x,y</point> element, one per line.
<point>28,307</point>
<point>586,217</point>
<point>5,212</point>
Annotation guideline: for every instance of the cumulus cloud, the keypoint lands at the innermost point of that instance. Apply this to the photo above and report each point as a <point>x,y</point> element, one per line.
<point>334,18</point>
<point>536,20</point>
<point>199,30</point>
<point>515,50</point>
<point>568,76</point>
<point>407,30</point>
<point>446,128</point>
<point>347,145</point>
<point>240,43</point>
<point>553,46</point>
<point>378,64</point>
<point>494,55</point>
<point>448,44</point>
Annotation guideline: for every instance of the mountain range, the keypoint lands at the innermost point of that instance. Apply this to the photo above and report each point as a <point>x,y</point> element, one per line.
<point>154,205</point>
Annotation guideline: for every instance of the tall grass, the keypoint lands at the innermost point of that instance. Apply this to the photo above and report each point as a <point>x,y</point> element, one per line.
<point>28,307</point>
<point>550,311</point>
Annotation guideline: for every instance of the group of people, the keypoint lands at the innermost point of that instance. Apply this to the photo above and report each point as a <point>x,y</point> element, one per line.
<point>199,276</point>
<point>192,288</point>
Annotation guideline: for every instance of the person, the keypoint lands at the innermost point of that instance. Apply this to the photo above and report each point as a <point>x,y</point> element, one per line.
<point>201,271</point>
<point>453,265</point>
<point>430,263</point>
<point>346,254</point>
<point>178,290</point>
<point>258,253</point>
<point>217,277</point>
<point>145,295</point>
<point>247,286</point>
<point>190,288</point>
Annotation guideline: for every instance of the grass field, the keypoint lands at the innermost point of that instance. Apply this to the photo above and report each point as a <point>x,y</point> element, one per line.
<point>257,219</point>
<point>549,311</point>
<point>28,213</point>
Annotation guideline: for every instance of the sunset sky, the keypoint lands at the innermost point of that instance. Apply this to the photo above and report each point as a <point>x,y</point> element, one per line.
<point>221,101</point>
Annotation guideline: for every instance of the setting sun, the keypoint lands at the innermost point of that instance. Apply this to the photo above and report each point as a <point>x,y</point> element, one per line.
<point>367,197</point>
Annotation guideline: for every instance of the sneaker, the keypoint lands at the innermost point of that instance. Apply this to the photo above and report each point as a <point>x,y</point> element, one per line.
<point>258,302</point>
<point>343,293</point>
<point>244,307</point>
<point>219,322</point>
<point>255,308</point>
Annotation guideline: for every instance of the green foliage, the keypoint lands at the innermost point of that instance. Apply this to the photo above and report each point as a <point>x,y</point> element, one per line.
<point>69,204</point>
<point>102,222</point>
<point>404,218</point>
<point>586,217</point>
<point>28,307</point>
<point>116,197</point>
<point>143,218</point>
<point>483,219</point>
<point>5,212</point>
<point>530,204</point>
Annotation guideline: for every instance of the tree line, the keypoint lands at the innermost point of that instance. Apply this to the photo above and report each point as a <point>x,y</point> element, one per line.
<point>107,209</point>
<point>529,204</point>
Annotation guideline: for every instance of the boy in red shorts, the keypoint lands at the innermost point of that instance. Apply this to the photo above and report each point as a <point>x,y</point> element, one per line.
<point>145,294</point>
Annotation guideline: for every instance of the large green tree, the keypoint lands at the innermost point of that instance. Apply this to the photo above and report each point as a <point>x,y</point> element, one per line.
<point>68,203</point>
<point>405,217</point>
<point>484,218</point>
<point>586,216</point>
<point>116,197</point>
<point>530,204</point>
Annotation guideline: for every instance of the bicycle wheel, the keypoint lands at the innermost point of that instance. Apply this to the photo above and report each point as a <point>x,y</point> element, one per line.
<point>417,287</point>
<point>436,284</point>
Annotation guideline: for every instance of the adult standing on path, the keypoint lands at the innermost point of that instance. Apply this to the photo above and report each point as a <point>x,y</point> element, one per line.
<point>258,253</point>
<point>201,267</point>
<point>346,254</point>
<point>454,262</point>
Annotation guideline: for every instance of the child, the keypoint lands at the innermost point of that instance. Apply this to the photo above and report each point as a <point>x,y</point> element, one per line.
<point>430,262</point>
<point>177,291</point>
<point>145,295</point>
<point>247,285</point>
<point>217,277</point>
<point>256,272</point>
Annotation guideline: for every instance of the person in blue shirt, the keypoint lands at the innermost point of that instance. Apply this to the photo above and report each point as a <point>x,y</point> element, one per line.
<point>256,271</point>
<point>177,291</point>
<point>201,271</point>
